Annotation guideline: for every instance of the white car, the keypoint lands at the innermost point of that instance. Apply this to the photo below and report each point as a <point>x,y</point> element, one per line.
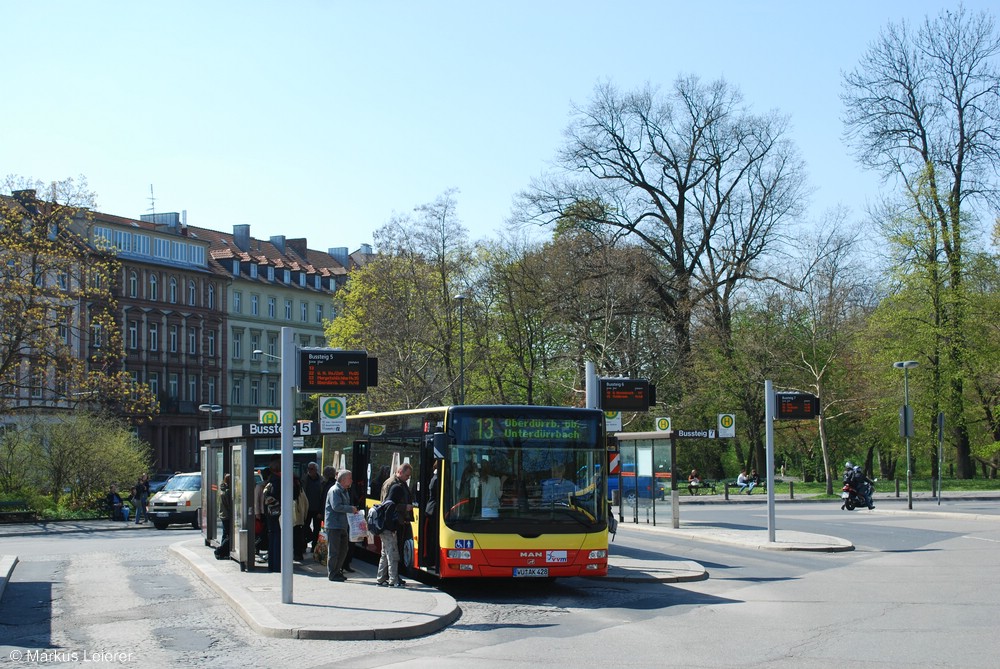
<point>178,502</point>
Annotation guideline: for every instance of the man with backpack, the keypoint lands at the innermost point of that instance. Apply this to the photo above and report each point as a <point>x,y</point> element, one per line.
<point>395,507</point>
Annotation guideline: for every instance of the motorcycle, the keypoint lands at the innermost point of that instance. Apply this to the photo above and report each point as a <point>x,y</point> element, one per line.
<point>853,498</point>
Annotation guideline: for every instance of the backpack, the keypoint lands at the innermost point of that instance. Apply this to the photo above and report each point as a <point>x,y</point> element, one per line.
<point>382,517</point>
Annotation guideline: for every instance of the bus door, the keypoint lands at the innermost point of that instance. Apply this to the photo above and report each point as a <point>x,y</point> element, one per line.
<point>429,487</point>
<point>360,471</point>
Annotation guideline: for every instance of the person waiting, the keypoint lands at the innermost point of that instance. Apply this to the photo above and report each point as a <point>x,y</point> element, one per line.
<point>694,482</point>
<point>743,481</point>
<point>116,505</point>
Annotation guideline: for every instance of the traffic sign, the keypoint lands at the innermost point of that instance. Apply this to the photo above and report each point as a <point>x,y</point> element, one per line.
<point>269,416</point>
<point>663,425</point>
<point>332,415</point>
<point>613,421</point>
<point>614,463</point>
<point>727,425</point>
<point>694,434</point>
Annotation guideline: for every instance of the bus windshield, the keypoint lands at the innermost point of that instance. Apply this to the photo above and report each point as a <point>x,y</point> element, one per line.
<point>522,469</point>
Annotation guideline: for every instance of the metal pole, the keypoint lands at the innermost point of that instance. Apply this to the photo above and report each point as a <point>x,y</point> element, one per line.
<point>287,421</point>
<point>461,349</point>
<point>940,454</point>
<point>906,429</point>
<point>769,432</point>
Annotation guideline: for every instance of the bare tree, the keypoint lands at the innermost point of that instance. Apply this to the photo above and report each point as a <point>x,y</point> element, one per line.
<point>923,107</point>
<point>690,174</point>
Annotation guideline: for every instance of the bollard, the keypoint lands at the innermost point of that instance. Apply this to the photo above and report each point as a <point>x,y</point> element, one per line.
<point>791,490</point>
<point>726,490</point>
<point>897,487</point>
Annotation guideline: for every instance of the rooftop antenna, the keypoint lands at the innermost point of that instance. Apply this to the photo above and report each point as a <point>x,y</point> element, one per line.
<point>152,200</point>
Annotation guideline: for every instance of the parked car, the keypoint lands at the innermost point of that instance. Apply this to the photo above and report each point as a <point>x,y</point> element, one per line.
<point>157,482</point>
<point>179,501</point>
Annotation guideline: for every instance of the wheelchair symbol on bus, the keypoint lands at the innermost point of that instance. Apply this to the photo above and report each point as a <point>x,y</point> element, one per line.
<point>464,543</point>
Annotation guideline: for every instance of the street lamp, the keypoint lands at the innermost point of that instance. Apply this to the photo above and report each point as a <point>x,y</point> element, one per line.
<point>210,409</point>
<point>907,422</point>
<point>260,352</point>
<point>461,348</point>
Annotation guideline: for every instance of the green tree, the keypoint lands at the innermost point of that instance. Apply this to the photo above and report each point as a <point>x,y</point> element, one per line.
<point>923,107</point>
<point>60,340</point>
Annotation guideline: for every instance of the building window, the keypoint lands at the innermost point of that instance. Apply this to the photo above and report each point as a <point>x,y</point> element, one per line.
<point>154,383</point>
<point>211,390</point>
<point>254,393</point>
<point>304,312</point>
<point>253,270</point>
<point>254,342</point>
<point>173,291</point>
<point>288,310</point>
<point>319,313</point>
<point>255,304</point>
<point>237,344</point>
<point>271,308</point>
<point>133,335</point>
<point>193,388</point>
<point>192,293</point>
<point>272,394</point>
<point>211,343</point>
<point>287,276</point>
<point>237,398</point>
<point>272,346</point>
<point>153,292</point>
<point>173,387</point>
<point>173,339</point>
<point>211,296</point>
<point>192,341</point>
<point>96,338</point>
<point>237,302</point>
<point>133,284</point>
<point>154,337</point>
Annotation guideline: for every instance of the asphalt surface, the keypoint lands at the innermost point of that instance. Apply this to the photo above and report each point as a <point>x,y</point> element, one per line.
<point>358,609</point>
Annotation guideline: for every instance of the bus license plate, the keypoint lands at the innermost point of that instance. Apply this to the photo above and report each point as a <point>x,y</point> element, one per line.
<point>530,572</point>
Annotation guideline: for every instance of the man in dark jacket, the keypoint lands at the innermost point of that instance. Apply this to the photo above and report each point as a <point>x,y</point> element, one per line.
<point>312,484</point>
<point>396,489</point>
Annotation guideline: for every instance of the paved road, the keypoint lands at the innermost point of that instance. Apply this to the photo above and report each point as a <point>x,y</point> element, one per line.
<point>918,591</point>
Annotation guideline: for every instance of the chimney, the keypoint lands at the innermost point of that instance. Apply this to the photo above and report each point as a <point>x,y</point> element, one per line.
<point>279,242</point>
<point>339,254</point>
<point>366,249</point>
<point>241,237</point>
<point>300,246</point>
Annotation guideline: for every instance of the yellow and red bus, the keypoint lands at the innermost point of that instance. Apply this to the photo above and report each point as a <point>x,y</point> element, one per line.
<point>520,490</point>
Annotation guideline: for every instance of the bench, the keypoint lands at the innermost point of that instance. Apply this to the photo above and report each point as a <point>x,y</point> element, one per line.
<point>705,484</point>
<point>15,509</point>
<point>733,485</point>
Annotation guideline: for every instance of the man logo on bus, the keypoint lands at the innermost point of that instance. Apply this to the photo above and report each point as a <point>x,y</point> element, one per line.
<point>531,554</point>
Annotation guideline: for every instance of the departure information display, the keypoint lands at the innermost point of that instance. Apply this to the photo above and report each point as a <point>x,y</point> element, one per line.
<point>331,370</point>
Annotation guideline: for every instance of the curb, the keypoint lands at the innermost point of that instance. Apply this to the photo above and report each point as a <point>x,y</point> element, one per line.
<point>444,612</point>
<point>7,564</point>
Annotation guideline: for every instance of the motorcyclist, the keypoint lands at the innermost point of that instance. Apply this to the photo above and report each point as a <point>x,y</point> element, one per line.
<point>863,485</point>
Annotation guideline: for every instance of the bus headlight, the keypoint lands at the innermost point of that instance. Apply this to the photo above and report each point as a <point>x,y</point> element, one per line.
<point>459,555</point>
<point>598,555</point>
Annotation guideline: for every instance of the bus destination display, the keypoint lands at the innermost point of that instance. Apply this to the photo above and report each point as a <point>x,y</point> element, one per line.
<point>489,428</point>
<point>332,370</point>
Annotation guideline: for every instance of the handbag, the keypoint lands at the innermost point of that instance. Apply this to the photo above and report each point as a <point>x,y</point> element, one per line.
<point>357,526</point>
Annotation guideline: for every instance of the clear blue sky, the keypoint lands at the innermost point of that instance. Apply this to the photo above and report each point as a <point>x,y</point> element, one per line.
<point>320,119</point>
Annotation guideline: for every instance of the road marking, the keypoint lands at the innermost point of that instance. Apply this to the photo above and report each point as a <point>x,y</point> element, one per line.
<point>993,541</point>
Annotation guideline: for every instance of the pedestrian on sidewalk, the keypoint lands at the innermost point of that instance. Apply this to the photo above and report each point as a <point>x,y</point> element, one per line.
<point>312,483</point>
<point>140,495</point>
<point>396,490</point>
<point>338,505</point>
